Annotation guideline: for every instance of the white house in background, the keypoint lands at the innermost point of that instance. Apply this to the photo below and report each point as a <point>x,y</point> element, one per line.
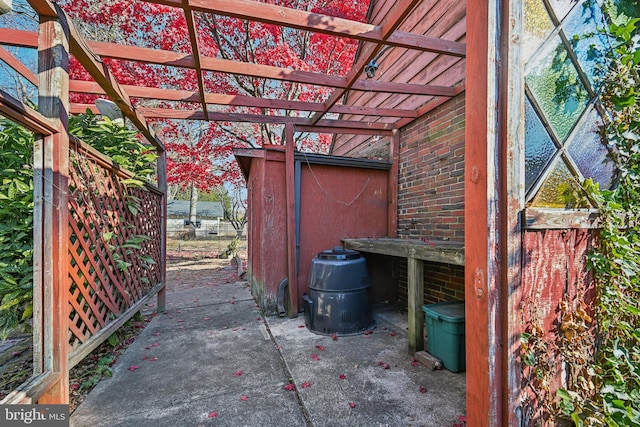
<point>208,216</point>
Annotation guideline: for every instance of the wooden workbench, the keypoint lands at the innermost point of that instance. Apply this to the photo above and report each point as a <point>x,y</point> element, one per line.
<point>416,252</point>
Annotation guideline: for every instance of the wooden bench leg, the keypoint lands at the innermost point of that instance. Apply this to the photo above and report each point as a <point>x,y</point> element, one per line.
<point>415,294</point>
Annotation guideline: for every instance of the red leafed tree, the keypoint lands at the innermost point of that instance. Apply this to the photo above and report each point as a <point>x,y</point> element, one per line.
<point>149,25</point>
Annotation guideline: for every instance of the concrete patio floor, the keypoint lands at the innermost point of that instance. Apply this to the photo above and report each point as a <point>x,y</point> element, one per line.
<point>213,359</point>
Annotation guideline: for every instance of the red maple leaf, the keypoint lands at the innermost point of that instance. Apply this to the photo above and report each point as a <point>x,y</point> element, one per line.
<point>306,384</point>
<point>289,387</point>
<point>237,373</point>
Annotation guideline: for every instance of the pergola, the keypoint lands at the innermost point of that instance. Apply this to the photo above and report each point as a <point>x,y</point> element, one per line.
<point>424,60</point>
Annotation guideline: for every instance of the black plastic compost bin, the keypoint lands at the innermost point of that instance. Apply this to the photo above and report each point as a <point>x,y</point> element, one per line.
<point>337,301</point>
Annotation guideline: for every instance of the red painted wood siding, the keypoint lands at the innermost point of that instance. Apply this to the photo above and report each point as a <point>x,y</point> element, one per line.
<point>553,270</point>
<point>338,203</point>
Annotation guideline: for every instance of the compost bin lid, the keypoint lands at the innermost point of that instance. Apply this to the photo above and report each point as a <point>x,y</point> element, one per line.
<point>339,253</point>
<point>450,311</point>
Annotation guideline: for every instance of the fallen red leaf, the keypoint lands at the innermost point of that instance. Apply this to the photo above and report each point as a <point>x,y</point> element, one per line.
<point>306,384</point>
<point>315,357</point>
<point>320,347</point>
<point>393,334</point>
<point>133,367</point>
<point>243,398</point>
<point>156,334</point>
<point>301,326</point>
<point>353,404</point>
<point>213,414</point>
<point>289,387</point>
<point>414,362</point>
<point>74,386</point>
<point>423,389</point>
<point>343,376</point>
<point>155,344</point>
<point>153,359</point>
<point>335,336</point>
<point>237,373</point>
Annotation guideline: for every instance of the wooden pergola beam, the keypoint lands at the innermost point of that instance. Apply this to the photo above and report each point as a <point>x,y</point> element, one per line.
<point>167,113</point>
<point>315,22</point>
<point>168,58</point>
<point>162,57</point>
<point>193,38</point>
<point>79,86</point>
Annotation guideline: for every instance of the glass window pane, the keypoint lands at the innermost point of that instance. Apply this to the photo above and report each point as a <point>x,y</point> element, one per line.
<point>560,190</point>
<point>537,27</point>
<point>581,30</point>
<point>554,82</point>
<point>538,147</point>
<point>589,153</point>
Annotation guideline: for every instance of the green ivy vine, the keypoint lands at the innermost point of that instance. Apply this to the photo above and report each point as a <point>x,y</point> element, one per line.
<point>615,260</point>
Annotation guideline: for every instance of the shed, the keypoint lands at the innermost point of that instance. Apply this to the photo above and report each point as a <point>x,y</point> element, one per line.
<point>331,198</point>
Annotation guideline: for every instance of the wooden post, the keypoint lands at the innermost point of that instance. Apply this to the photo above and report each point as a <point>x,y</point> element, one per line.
<point>415,295</point>
<point>162,186</point>
<point>484,224</point>
<point>53,102</point>
<point>513,193</point>
<point>291,219</point>
<point>392,193</point>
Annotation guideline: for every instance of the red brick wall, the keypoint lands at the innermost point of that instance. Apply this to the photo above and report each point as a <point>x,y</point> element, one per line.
<point>431,175</point>
<point>431,195</point>
<point>442,282</point>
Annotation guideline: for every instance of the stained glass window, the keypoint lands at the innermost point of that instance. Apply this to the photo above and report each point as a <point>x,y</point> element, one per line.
<point>562,146</point>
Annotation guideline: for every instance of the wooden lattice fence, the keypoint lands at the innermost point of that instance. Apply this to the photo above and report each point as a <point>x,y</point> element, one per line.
<point>115,252</point>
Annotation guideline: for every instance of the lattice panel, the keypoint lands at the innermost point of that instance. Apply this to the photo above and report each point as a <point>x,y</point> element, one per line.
<point>115,245</point>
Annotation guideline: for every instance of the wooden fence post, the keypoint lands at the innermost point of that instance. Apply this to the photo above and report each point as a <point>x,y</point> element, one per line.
<point>163,187</point>
<point>53,102</point>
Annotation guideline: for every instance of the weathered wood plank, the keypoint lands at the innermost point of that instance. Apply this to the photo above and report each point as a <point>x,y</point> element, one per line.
<point>483,347</point>
<point>30,391</point>
<point>435,251</point>
<point>291,223</point>
<point>53,102</point>
<point>415,279</point>
<point>559,219</point>
<point>161,163</point>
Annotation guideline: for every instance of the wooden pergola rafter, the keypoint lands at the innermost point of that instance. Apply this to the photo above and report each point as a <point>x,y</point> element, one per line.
<point>375,39</point>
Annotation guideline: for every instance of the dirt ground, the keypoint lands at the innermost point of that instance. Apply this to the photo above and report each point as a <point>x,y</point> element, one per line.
<point>189,264</point>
